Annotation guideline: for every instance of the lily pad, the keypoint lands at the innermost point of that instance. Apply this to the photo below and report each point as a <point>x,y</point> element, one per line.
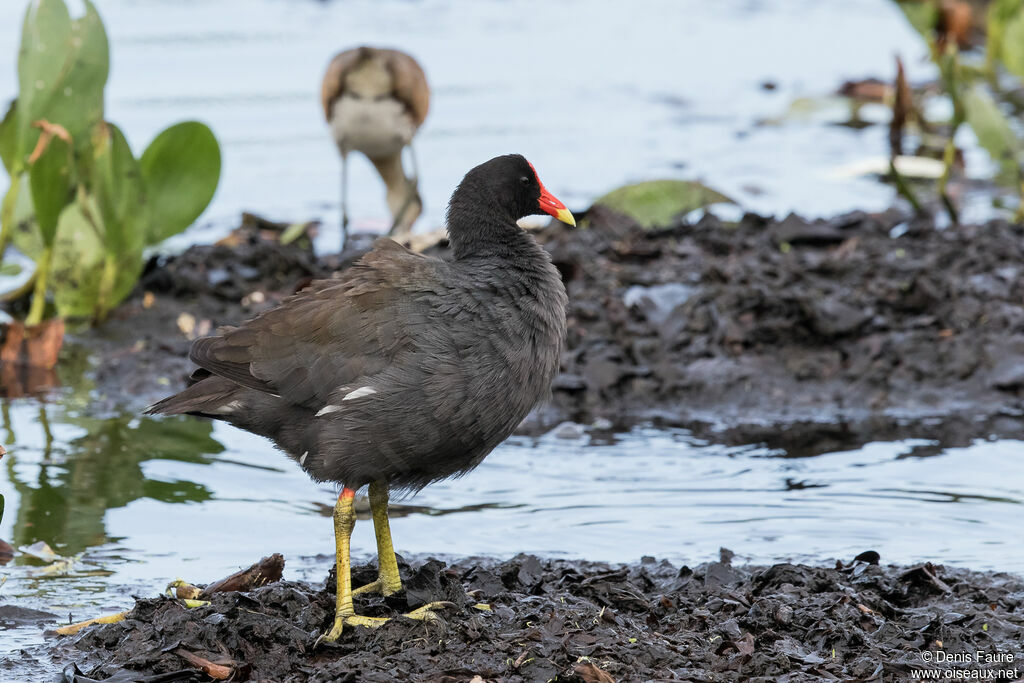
<point>658,202</point>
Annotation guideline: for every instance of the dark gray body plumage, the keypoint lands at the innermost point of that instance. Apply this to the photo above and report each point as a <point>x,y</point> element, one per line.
<point>407,369</point>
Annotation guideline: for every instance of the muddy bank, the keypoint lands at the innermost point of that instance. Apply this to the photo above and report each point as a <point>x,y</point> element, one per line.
<point>843,330</point>
<point>580,621</point>
<point>846,329</point>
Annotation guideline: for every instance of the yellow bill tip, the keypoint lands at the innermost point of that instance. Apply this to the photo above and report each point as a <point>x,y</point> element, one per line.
<point>566,217</point>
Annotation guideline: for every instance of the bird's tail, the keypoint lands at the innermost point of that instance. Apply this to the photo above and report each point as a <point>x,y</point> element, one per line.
<point>206,394</point>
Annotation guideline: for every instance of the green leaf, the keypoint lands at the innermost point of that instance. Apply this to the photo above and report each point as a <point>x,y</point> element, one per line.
<point>80,263</point>
<point>180,172</point>
<point>25,234</point>
<point>658,202</point>
<point>922,15</point>
<point>1011,48</point>
<point>50,182</point>
<point>9,137</point>
<point>993,130</point>
<point>115,181</point>
<point>62,69</point>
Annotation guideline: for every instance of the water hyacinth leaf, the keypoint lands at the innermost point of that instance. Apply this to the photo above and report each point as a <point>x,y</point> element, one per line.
<point>80,264</point>
<point>1011,48</point>
<point>116,183</point>
<point>992,129</point>
<point>923,16</point>
<point>9,137</point>
<point>657,202</point>
<point>62,69</point>
<point>180,172</point>
<point>45,44</point>
<point>25,234</point>
<point>50,183</point>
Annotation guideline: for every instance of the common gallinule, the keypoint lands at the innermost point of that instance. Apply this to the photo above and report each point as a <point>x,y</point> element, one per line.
<point>404,370</point>
<point>374,100</point>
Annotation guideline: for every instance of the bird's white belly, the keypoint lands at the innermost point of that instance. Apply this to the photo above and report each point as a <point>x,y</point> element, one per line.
<point>377,128</point>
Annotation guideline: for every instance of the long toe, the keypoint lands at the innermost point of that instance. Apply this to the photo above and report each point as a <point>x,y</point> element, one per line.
<point>426,613</point>
<point>335,632</point>
<point>368,622</point>
<point>372,587</point>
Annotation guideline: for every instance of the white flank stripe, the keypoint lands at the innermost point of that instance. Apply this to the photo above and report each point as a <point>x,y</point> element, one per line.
<point>359,393</point>
<point>327,410</point>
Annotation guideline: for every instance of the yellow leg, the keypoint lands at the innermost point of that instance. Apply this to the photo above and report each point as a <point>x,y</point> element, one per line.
<point>388,579</point>
<point>344,613</point>
<point>344,522</point>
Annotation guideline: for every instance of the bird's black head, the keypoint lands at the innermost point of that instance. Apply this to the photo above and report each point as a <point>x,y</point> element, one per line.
<point>498,193</point>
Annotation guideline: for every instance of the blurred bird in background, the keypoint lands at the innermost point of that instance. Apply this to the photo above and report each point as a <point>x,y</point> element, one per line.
<point>374,100</point>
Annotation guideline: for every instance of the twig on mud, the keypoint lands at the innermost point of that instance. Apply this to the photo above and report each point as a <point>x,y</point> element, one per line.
<point>214,671</point>
<point>267,570</point>
<point>927,571</point>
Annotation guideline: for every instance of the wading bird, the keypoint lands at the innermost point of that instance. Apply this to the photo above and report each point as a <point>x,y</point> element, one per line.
<point>404,370</point>
<point>374,100</point>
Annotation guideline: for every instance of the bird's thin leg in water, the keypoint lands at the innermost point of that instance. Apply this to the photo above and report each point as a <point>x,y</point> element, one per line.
<point>388,580</point>
<point>415,177</point>
<point>344,612</point>
<point>344,200</point>
<point>412,182</point>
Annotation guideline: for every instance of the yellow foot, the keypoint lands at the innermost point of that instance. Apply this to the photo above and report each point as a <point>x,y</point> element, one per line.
<point>378,586</point>
<point>424,613</point>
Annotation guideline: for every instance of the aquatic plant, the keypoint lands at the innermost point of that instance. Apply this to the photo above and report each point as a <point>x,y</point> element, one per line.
<point>79,203</point>
<point>978,92</point>
<point>655,203</point>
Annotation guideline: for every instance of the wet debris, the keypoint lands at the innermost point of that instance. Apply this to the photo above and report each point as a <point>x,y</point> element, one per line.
<point>577,621</point>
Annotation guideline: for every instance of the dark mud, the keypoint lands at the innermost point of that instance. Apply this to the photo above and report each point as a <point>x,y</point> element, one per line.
<point>579,621</point>
<point>835,329</point>
<point>833,324</point>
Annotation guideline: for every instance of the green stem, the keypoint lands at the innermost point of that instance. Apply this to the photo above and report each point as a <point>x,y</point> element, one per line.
<point>7,214</point>
<point>948,157</point>
<point>106,289</point>
<point>35,313</point>
<point>903,187</point>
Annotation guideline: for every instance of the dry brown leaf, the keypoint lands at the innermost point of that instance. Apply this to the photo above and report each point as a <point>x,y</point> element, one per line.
<point>955,21</point>
<point>590,673</point>
<point>902,107</point>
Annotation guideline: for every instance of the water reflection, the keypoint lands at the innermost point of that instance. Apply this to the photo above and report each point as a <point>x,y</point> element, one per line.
<point>65,488</point>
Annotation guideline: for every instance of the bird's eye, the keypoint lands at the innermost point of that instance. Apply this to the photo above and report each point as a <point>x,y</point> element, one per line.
<point>524,180</point>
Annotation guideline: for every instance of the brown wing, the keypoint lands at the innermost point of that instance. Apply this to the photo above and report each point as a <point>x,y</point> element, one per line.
<point>409,83</point>
<point>331,333</point>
